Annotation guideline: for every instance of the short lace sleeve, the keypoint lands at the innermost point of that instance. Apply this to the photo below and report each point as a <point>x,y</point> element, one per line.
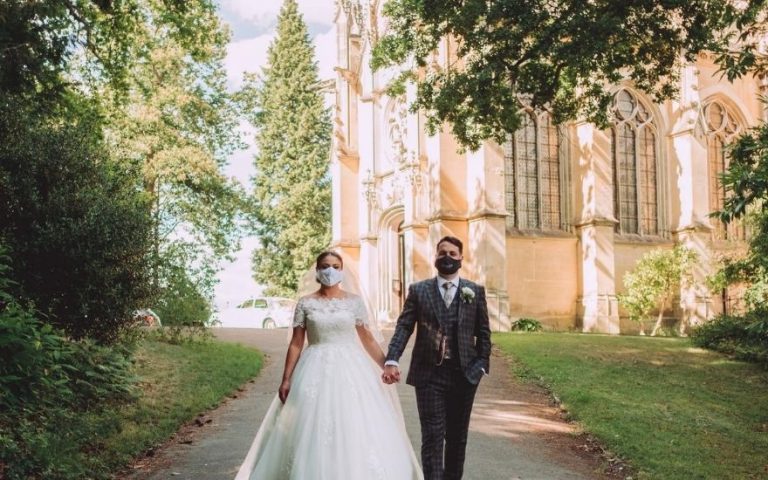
<point>299,315</point>
<point>361,314</point>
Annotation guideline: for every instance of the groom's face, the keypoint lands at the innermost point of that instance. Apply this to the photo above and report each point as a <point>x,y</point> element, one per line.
<point>447,249</point>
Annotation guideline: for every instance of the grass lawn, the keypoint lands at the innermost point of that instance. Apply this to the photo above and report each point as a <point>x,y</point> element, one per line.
<point>672,410</point>
<point>178,382</point>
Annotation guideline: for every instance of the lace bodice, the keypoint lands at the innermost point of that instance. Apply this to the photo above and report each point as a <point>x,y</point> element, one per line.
<point>330,320</point>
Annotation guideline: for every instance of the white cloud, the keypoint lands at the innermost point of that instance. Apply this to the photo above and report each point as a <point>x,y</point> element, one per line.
<point>264,12</point>
<point>248,55</point>
<point>325,53</point>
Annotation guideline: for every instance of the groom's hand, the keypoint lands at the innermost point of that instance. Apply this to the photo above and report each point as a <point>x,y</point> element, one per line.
<point>391,374</point>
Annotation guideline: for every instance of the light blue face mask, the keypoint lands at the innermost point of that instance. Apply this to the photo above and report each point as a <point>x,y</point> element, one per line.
<point>329,276</point>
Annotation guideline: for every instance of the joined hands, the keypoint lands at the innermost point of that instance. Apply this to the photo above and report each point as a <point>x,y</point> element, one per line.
<point>391,374</point>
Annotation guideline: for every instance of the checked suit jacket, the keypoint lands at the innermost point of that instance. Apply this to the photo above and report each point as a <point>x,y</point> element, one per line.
<point>424,310</point>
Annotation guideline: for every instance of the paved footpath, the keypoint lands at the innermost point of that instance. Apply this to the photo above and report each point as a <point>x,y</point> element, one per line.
<point>515,432</point>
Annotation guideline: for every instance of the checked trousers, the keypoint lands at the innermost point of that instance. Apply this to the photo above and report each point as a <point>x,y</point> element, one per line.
<point>445,404</point>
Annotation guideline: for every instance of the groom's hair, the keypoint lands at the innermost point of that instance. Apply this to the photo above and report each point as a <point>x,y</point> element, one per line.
<point>453,240</point>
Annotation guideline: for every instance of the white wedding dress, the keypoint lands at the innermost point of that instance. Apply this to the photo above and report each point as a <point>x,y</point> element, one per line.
<point>339,420</point>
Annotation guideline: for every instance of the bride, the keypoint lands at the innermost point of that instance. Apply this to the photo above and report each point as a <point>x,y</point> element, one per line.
<point>333,418</point>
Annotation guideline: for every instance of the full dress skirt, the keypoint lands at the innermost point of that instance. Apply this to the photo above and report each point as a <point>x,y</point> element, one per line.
<point>339,420</point>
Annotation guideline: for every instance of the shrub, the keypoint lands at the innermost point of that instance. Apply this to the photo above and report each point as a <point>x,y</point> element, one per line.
<point>55,394</point>
<point>76,225</point>
<point>745,338</point>
<point>181,298</point>
<point>526,325</point>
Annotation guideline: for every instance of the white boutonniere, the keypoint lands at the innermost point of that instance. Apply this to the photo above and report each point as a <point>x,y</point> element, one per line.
<point>467,295</point>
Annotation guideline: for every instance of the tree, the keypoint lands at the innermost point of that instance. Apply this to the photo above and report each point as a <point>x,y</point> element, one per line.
<point>746,178</point>
<point>654,281</point>
<point>559,55</point>
<point>177,124</point>
<point>184,299</point>
<point>154,70</point>
<point>292,186</point>
<point>75,223</point>
<point>40,39</point>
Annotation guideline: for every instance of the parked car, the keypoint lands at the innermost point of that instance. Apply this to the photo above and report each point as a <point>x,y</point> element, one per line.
<point>259,312</point>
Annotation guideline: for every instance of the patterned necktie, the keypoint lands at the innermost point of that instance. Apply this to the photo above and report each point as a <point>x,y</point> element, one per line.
<point>448,296</point>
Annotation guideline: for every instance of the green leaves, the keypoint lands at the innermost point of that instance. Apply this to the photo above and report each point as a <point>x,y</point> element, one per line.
<point>560,55</point>
<point>54,394</point>
<point>40,41</point>
<point>292,198</point>
<point>746,184</point>
<point>746,179</point>
<point>655,280</point>
<point>75,224</point>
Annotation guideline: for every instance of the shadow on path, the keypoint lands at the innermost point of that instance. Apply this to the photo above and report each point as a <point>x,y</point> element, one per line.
<point>515,432</point>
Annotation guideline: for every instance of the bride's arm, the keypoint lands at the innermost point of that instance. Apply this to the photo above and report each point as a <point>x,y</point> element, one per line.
<point>291,357</point>
<point>371,345</point>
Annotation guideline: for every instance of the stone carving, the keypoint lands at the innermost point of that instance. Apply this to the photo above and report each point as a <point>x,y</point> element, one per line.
<point>370,192</point>
<point>397,131</point>
<point>360,11</point>
<point>413,172</point>
<point>393,189</point>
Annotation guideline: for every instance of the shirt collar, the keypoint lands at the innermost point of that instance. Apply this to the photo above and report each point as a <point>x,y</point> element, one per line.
<point>441,281</point>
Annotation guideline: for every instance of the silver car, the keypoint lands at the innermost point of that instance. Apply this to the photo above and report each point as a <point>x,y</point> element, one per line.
<point>259,312</point>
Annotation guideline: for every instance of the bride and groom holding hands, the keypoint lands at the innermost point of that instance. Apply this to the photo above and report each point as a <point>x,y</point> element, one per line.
<point>337,415</point>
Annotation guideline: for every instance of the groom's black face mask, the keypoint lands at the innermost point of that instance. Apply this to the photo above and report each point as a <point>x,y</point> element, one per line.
<point>447,265</point>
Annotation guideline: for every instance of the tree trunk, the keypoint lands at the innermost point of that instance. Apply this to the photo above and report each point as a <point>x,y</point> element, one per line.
<point>152,188</point>
<point>683,322</point>
<point>657,326</point>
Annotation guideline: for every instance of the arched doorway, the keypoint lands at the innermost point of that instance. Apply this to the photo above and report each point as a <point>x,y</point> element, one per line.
<point>392,265</point>
<point>401,266</point>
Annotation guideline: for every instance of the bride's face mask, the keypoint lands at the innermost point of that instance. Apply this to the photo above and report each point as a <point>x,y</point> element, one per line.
<point>329,276</point>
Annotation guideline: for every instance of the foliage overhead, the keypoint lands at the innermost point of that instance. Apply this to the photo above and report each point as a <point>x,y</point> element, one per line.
<point>746,177</point>
<point>177,123</point>
<point>562,55</point>
<point>292,211</point>
<point>742,52</point>
<point>40,40</point>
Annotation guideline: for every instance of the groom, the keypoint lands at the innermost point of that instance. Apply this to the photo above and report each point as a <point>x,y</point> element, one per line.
<point>450,356</point>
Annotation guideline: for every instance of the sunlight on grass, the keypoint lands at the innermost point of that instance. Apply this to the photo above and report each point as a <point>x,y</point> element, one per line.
<point>177,383</point>
<point>672,410</point>
<point>696,350</point>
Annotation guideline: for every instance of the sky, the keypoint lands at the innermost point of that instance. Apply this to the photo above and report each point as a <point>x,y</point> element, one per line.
<point>253,24</point>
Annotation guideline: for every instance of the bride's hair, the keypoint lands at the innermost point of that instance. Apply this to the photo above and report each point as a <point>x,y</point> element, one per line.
<point>328,253</point>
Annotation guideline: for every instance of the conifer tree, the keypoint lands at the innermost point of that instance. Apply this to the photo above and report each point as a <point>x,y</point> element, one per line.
<point>292,196</point>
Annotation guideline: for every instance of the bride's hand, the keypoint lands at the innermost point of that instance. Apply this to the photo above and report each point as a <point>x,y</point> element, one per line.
<point>391,375</point>
<point>282,392</point>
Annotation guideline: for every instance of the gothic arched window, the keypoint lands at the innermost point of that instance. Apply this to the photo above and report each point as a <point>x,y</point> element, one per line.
<point>721,127</point>
<point>635,194</point>
<point>534,175</point>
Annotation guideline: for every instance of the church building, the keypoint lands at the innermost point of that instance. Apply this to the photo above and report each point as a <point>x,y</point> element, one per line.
<point>552,220</point>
